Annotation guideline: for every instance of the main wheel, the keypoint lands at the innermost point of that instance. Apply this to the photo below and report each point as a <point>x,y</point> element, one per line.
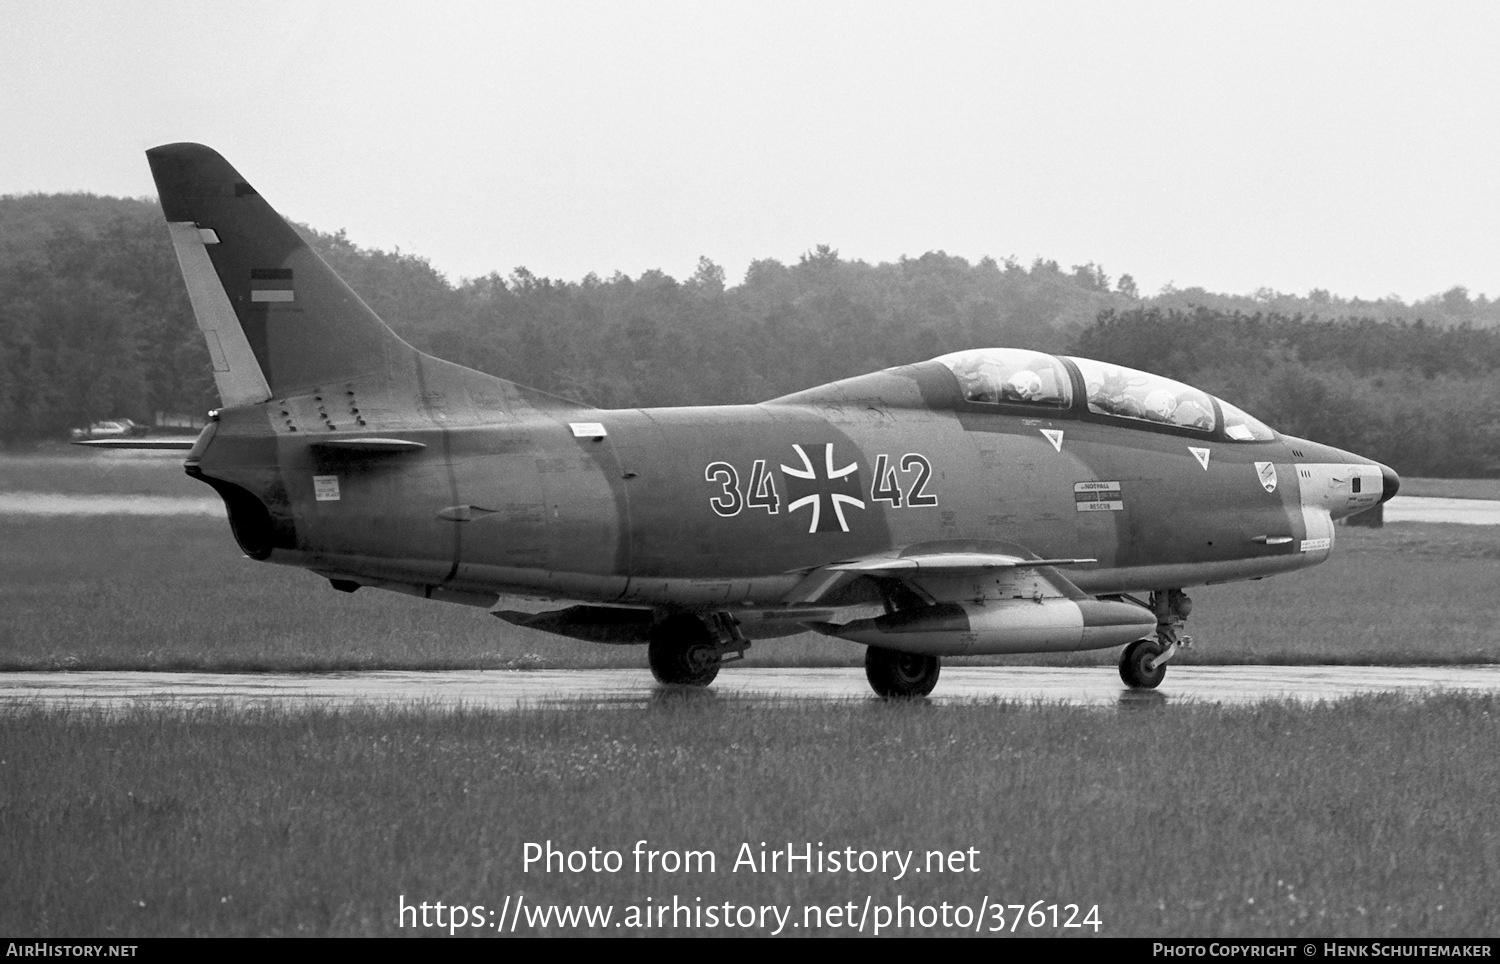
<point>682,653</point>
<point>1135,660</point>
<point>893,674</point>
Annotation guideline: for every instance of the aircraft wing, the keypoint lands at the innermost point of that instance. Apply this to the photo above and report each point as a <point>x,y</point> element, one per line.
<point>953,563</point>
<point>937,560</point>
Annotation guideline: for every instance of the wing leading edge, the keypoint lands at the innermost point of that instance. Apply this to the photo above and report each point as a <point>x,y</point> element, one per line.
<point>929,561</point>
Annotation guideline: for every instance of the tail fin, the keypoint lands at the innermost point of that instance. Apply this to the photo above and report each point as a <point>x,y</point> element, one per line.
<point>277,319</point>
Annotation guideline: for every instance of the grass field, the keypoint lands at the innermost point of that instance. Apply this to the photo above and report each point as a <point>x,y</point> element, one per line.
<point>72,470</point>
<point>1372,817</point>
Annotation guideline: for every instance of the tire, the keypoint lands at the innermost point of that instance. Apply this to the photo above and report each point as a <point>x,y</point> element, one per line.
<point>895,675</point>
<point>682,653</point>
<point>1133,665</point>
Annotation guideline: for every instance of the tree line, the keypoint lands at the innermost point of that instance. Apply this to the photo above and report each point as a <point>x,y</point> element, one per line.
<point>95,322</point>
<point>1420,398</point>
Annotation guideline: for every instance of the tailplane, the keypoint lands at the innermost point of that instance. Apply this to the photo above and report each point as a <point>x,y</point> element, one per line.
<point>277,319</point>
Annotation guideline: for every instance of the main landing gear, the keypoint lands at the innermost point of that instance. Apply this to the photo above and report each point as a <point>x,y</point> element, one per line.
<point>1143,665</point>
<point>686,649</point>
<point>893,674</point>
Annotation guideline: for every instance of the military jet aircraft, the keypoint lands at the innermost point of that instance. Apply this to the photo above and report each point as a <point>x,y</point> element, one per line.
<point>987,501</point>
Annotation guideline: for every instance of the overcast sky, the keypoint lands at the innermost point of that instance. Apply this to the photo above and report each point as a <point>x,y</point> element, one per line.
<point>1346,146</point>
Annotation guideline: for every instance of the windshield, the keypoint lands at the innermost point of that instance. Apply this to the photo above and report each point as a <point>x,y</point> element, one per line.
<point>1124,392</point>
<point>1242,427</point>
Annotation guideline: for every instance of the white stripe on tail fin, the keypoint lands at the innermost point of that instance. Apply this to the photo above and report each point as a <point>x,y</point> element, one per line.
<point>236,371</point>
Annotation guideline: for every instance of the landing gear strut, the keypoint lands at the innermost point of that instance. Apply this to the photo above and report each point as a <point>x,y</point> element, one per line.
<point>893,674</point>
<point>1144,662</point>
<point>686,650</point>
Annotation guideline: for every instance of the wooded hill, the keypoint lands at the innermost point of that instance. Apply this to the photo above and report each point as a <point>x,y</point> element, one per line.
<point>94,322</point>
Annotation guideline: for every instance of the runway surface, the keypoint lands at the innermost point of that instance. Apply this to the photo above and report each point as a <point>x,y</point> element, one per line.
<point>513,689</point>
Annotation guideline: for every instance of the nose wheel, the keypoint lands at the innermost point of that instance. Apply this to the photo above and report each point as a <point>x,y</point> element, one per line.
<point>1142,666</point>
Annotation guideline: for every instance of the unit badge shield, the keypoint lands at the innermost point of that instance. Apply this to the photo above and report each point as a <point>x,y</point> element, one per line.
<point>1267,472</point>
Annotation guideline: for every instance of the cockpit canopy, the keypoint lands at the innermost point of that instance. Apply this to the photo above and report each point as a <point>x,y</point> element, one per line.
<point>1011,375</point>
<point>1014,376</point>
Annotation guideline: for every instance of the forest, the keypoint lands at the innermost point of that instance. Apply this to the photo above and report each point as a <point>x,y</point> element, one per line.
<point>95,323</point>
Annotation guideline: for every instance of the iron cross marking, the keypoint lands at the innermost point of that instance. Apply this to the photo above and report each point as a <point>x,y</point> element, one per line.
<point>828,494</point>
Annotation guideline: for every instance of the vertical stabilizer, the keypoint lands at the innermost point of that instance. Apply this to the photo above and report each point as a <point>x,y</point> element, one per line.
<point>276,318</point>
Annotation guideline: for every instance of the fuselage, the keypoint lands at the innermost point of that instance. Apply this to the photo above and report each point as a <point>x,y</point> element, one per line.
<point>732,506</point>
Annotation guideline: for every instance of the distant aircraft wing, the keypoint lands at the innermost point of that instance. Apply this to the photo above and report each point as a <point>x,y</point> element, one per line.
<point>821,583</point>
<point>183,444</point>
<point>353,446</point>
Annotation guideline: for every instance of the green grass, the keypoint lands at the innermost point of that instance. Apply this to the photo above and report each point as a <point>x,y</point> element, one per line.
<point>73,470</point>
<point>1407,593</point>
<point>1370,817</point>
<point>174,593</point>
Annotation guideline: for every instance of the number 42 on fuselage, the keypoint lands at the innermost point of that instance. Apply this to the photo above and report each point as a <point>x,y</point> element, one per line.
<point>987,501</point>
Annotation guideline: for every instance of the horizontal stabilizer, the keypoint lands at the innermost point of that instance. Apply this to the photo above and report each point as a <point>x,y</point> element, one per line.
<point>370,446</point>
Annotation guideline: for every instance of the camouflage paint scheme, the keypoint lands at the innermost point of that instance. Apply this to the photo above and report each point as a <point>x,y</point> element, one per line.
<point>890,508</point>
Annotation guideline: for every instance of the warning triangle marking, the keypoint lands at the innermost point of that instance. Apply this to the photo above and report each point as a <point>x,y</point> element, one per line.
<point>1054,435</point>
<point>1201,455</point>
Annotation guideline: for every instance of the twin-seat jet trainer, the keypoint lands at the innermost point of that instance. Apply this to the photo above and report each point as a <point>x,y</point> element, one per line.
<point>987,501</point>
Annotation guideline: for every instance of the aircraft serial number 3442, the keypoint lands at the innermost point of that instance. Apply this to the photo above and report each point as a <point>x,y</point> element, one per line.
<point>987,501</point>
<point>760,492</point>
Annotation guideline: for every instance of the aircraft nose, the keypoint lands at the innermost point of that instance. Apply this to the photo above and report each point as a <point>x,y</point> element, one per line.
<point>1392,483</point>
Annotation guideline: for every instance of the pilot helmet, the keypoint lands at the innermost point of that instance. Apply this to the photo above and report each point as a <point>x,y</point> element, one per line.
<point>1160,404</point>
<point>1026,385</point>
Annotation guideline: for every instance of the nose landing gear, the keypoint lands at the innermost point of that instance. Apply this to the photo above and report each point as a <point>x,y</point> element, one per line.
<point>1143,665</point>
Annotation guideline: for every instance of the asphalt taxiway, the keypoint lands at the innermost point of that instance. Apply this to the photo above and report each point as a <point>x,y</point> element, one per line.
<point>513,689</point>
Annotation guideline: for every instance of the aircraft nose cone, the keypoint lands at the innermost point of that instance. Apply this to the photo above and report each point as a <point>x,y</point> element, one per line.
<point>1392,483</point>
